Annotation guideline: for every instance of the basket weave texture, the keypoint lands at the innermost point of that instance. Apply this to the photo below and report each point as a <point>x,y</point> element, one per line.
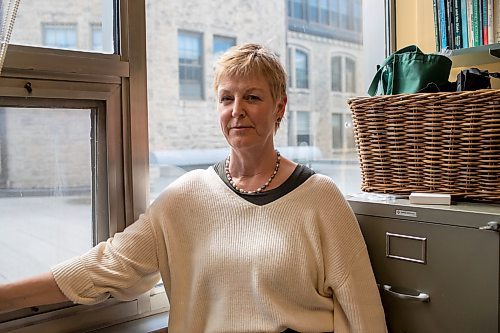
<point>430,142</point>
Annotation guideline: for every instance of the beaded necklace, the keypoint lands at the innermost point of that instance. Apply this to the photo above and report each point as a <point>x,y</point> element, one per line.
<point>260,189</point>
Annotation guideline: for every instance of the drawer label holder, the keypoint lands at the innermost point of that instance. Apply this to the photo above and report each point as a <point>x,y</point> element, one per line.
<point>405,247</point>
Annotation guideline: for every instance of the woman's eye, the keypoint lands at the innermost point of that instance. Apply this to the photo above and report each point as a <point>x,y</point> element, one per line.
<point>253,98</point>
<point>224,99</point>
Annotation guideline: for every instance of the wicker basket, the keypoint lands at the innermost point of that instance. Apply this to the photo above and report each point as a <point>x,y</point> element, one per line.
<point>430,142</point>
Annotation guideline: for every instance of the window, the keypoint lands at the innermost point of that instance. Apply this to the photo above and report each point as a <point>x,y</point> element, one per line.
<point>45,167</point>
<point>190,65</point>
<point>301,70</point>
<point>59,36</point>
<point>66,141</point>
<point>337,131</point>
<point>350,75</point>
<point>221,43</point>
<point>64,25</point>
<point>296,9</point>
<point>303,128</point>
<point>324,12</point>
<point>96,37</point>
<point>313,11</point>
<point>343,76</point>
<point>337,74</point>
<point>335,12</point>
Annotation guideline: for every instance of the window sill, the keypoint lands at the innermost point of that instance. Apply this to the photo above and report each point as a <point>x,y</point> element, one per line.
<point>157,323</point>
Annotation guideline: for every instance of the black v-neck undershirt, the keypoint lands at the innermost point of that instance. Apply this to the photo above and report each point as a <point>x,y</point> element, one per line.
<point>299,175</point>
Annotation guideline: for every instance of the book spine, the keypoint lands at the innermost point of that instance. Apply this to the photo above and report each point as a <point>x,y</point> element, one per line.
<point>450,24</point>
<point>463,17</point>
<point>484,21</point>
<point>491,33</point>
<point>470,31</point>
<point>443,29</point>
<point>475,23</point>
<point>496,21</point>
<point>457,24</point>
<point>436,25</point>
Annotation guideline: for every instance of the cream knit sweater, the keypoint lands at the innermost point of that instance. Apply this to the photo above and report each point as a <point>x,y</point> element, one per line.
<point>228,265</point>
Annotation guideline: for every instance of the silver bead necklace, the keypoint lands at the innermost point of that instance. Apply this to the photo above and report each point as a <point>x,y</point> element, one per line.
<point>260,189</point>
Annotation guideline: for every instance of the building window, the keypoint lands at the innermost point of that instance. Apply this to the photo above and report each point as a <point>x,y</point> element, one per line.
<point>337,131</point>
<point>313,11</point>
<point>357,16</point>
<point>222,43</point>
<point>337,73</point>
<point>190,65</point>
<point>350,75</point>
<point>335,13</point>
<point>301,70</point>
<point>296,9</point>
<point>61,36</point>
<point>324,13</point>
<point>303,128</point>
<point>343,74</point>
<point>96,37</point>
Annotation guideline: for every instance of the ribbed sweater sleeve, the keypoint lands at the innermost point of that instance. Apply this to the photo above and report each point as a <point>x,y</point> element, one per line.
<point>124,266</point>
<point>348,272</point>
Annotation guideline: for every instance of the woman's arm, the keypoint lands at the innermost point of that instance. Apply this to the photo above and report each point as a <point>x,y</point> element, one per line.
<point>37,290</point>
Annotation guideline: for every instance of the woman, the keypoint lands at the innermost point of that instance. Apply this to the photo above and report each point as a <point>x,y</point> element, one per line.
<point>255,243</point>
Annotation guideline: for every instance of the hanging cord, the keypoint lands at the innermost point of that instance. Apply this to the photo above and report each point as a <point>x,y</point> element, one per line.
<point>7,26</point>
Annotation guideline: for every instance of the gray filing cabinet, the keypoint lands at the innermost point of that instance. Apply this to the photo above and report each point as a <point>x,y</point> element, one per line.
<point>437,266</point>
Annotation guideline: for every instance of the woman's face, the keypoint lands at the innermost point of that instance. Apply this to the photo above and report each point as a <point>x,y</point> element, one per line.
<point>247,111</point>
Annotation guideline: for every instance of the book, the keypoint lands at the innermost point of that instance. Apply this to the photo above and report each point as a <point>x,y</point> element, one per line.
<point>443,29</point>
<point>450,24</point>
<point>470,32</point>
<point>491,38</point>
<point>484,22</point>
<point>496,21</point>
<point>475,19</point>
<point>457,24</point>
<point>464,20</point>
<point>437,36</point>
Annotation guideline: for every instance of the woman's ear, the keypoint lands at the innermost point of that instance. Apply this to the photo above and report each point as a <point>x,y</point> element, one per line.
<point>281,107</point>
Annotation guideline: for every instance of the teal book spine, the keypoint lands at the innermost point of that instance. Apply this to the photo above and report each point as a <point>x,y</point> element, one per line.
<point>463,17</point>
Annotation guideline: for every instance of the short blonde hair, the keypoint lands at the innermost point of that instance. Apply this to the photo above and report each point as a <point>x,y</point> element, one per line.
<point>252,59</point>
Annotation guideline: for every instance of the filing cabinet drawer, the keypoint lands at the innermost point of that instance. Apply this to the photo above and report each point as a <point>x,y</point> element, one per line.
<point>434,277</point>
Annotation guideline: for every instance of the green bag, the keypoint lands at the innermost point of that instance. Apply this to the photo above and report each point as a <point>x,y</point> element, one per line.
<point>408,71</point>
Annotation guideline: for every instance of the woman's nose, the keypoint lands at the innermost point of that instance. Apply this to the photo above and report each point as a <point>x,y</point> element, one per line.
<point>238,109</point>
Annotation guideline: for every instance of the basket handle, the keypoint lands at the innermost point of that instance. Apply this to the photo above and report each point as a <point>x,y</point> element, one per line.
<point>389,61</point>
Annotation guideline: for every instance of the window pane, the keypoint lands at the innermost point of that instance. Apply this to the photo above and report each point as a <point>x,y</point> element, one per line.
<point>66,25</point>
<point>221,44</point>
<point>298,9</point>
<point>301,70</point>
<point>337,131</point>
<point>184,132</point>
<point>313,11</point>
<point>350,75</point>
<point>324,13</point>
<point>59,36</point>
<point>336,74</point>
<point>303,128</point>
<point>45,188</point>
<point>190,65</point>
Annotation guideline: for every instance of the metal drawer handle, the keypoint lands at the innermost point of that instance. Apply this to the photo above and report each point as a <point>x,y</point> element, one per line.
<point>422,297</point>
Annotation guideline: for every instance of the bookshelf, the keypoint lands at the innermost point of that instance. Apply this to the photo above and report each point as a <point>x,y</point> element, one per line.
<point>415,25</point>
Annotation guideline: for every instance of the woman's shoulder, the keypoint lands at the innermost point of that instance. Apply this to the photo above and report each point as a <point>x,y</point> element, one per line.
<point>187,183</point>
